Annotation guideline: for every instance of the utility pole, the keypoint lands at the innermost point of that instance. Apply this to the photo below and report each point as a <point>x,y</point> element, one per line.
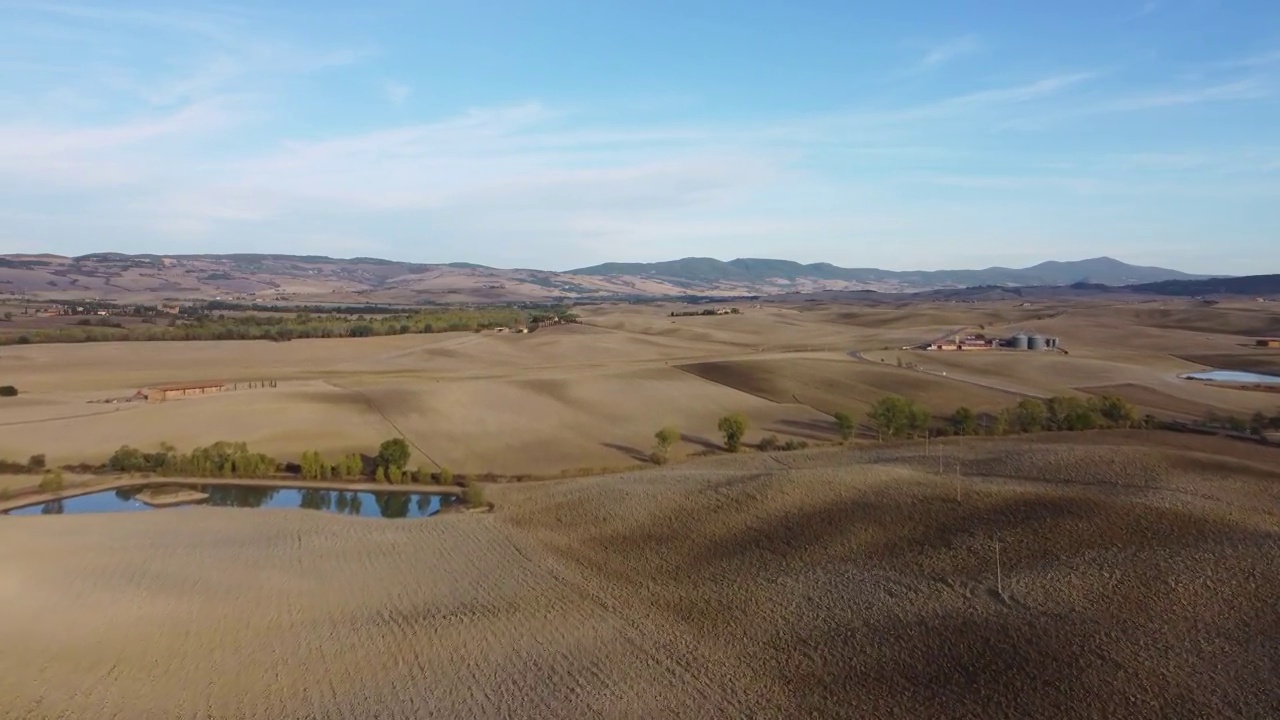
<point>999,579</point>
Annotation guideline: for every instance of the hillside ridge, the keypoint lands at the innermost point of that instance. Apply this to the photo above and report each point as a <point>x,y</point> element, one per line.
<point>314,278</point>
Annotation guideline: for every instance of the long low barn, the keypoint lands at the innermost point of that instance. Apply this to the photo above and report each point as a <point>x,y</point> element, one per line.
<point>170,392</point>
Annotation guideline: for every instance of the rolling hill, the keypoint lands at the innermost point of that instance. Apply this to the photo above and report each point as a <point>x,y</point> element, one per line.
<point>1102,270</point>
<point>315,278</point>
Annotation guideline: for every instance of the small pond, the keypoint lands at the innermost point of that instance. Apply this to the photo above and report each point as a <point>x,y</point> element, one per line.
<point>362,503</point>
<point>1232,376</point>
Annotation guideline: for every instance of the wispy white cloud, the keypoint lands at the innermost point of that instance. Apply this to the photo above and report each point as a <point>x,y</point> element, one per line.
<point>215,22</point>
<point>396,92</point>
<point>950,50</point>
<point>17,141</point>
<point>1249,89</point>
<point>1256,60</point>
<point>1019,93</point>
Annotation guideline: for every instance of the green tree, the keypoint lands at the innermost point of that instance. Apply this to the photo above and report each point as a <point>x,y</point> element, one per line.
<point>1116,411</point>
<point>964,421</point>
<point>473,494</point>
<point>1000,423</point>
<point>888,417</point>
<point>664,439</point>
<point>127,459</point>
<point>667,437</point>
<point>52,481</point>
<point>733,427</point>
<point>350,466</point>
<point>446,476</point>
<point>394,453</point>
<point>8,391</point>
<point>845,425</point>
<point>309,465</point>
<point>1029,415</point>
<point>894,416</point>
<point>36,462</point>
<point>1078,415</point>
<point>395,475</point>
<point>918,419</point>
<point>380,475</point>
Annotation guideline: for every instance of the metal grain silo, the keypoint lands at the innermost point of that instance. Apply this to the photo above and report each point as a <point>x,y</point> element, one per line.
<point>1035,342</point>
<point>1018,342</point>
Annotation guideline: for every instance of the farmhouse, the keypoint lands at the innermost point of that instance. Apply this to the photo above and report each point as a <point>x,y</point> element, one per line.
<point>1269,343</point>
<point>957,342</point>
<point>172,392</point>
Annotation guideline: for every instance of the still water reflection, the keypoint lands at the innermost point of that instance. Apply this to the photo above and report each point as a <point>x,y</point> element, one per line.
<point>362,503</point>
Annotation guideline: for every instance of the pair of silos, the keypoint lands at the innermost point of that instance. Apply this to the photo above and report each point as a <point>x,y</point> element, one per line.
<point>1031,341</point>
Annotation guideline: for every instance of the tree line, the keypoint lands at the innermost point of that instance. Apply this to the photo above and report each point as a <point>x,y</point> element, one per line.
<point>1258,424</point>
<point>894,416</point>
<point>281,328</point>
<point>234,460</point>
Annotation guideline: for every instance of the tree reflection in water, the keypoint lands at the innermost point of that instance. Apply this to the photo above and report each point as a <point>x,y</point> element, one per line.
<point>393,505</point>
<point>347,502</point>
<point>241,496</point>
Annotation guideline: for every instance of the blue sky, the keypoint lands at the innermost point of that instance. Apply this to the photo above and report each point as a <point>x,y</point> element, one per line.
<point>911,135</point>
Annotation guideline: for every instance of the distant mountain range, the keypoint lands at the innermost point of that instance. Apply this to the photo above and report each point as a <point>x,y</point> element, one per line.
<point>1102,271</point>
<point>313,278</point>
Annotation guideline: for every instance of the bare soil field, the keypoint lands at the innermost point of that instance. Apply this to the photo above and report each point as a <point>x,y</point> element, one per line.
<point>1266,361</point>
<point>564,398</point>
<point>591,396</point>
<point>1148,399</point>
<point>833,384</point>
<point>1137,579</point>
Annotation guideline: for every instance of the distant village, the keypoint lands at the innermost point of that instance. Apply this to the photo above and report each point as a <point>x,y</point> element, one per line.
<point>708,311</point>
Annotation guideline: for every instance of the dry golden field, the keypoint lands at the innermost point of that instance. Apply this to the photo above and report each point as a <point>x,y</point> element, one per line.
<point>591,396</point>
<point>1137,578</point>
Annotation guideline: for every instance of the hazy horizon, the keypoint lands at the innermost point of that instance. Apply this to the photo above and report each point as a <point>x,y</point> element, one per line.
<point>922,136</point>
<point>340,258</point>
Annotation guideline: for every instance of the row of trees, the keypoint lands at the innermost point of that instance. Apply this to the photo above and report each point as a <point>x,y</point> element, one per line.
<point>221,459</point>
<point>268,326</point>
<point>390,465</point>
<point>894,416</point>
<point>1258,424</point>
<point>227,459</point>
<point>313,466</point>
<point>732,427</point>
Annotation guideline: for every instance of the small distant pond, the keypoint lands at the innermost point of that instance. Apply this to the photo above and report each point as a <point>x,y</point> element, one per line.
<point>361,503</point>
<point>1232,376</point>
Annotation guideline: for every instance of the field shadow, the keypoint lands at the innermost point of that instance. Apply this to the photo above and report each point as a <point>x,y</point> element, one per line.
<point>631,452</point>
<point>701,442</point>
<point>809,429</point>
